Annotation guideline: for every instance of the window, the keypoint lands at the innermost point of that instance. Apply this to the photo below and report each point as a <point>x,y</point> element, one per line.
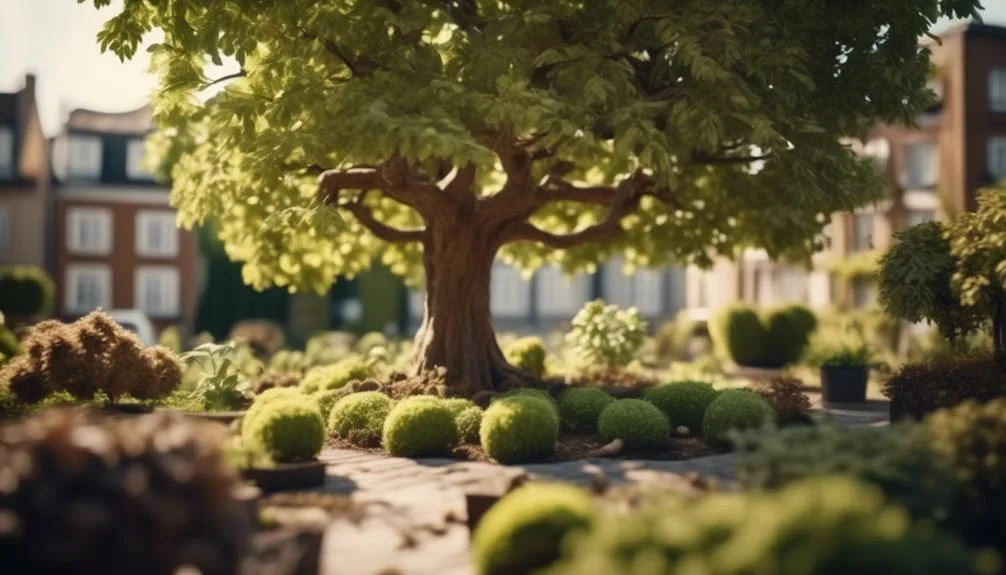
<point>6,152</point>
<point>997,158</point>
<point>83,158</point>
<point>509,293</point>
<point>156,234</point>
<point>997,90</point>
<point>4,228</point>
<point>862,292</point>
<point>790,285</point>
<point>559,295</point>
<point>915,217</point>
<point>135,153</point>
<point>862,232</point>
<point>157,291</point>
<point>89,231</point>
<point>922,165</point>
<point>88,288</point>
<point>644,289</point>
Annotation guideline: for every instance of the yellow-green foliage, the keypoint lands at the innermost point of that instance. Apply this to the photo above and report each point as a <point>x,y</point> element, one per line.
<point>527,353</point>
<point>735,409</point>
<point>606,336</point>
<point>336,375</point>
<point>415,428</point>
<point>525,531</point>
<point>326,400</point>
<point>519,428</point>
<point>288,430</point>
<point>468,422</point>
<point>531,392</point>
<point>639,424</point>
<point>579,407</point>
<point>359,417</point>
<point>683,402</point>
<point>270,396</point>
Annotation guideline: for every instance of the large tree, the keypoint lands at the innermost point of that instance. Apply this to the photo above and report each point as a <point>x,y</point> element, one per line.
<point>539,131</point>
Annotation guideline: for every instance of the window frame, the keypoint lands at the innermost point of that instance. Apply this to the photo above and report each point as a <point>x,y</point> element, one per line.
<point>73,274</point>
<point>74,219</point>
<point>174,307</point>
<point>146,218</point>
<point>93,172</point>
<point>134,165</point>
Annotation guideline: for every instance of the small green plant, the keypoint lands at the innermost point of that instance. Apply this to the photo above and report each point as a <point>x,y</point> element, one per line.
<point>735,410</point>
<point>526,530</point>
<point>844,351</point>
<point>683,402</point>
<point>416,428</point>
<point>359,418</point>
<point>527,353</point>
<point>639,424</point>
<point>579,407</point>
<point>606,336</point>
<point>221,385</point>
<point>468,422</point>
<point>336,375</point>
<point>519,428</point>
<point>288,430</point>
<point>326,400</point>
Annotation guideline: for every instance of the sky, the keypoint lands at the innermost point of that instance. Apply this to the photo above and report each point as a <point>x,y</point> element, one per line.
<point>55,40</point>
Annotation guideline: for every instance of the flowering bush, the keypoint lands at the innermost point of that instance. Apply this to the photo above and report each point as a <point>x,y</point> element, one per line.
<point>607,335</point>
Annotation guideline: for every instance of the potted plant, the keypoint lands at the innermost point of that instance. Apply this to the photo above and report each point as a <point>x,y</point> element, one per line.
<point>845,372</point>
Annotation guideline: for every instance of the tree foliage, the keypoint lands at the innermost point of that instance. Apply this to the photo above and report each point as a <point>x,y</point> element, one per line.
<point>665,130</point>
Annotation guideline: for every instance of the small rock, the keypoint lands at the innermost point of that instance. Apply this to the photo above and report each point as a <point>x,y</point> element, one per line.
<point>683,430</point>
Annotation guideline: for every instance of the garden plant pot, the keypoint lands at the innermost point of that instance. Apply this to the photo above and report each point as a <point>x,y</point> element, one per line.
<point>287,476</point>
<point>844,383</point>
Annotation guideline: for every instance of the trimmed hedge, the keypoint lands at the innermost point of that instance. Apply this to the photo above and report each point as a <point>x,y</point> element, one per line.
<point>289,430</point>
<point>26,291</point>
<point>773,339</point>
<point>579,407</point>
<point>735,409</point>
<point>417,427</point>
<point>683,402</point>
<point>639,424</point>
<point>519,428</point>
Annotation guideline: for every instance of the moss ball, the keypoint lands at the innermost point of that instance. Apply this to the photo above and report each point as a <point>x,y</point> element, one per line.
<point>359,418</point>
<point>519,428</point>
<point>524,532</point>
<point>327,399</point>
<point>532,392</point>
<point>419,427</point>
<point>270,396</point>
<point>528,353</point>
<point>335,376</point>
<point>457,405</point>
<point>683,402</point>
<point>468,422</point>
<point>579,407</point>
<point>289,430</point>
<point>639,424</point>
<point>734,409</point>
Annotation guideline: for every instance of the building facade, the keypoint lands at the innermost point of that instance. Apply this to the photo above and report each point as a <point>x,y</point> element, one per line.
<point>115,242</point>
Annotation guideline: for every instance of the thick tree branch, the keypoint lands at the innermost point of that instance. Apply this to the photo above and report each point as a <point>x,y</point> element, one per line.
<point>382,231</point>
<point>331,183</point>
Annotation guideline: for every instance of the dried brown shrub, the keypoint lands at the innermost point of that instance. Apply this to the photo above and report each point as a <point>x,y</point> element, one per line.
<point>787,397</point>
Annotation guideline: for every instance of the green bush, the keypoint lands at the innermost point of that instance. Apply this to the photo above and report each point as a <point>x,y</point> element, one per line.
<point>457,405</point>
<point>734,409</point>
<point>683,402</point>
<point>528,353</point>
<point>270,396</point>
<point>336,375</point>
<point>821,526</point>
<point>468,422</point>
<point>739,335</point>
<point>788,329</point>
<point>25,291</point>
<point>359,418</point>
<point>519,428</point>
<point>639,424</point>
<point>326,400</point>
<point>579,407</point>
<point>531,392</point>
<point>945,382</point>
<point>416,428</point>
<point>606,336</point>
<point>287,430</point>
<point>525,531</point>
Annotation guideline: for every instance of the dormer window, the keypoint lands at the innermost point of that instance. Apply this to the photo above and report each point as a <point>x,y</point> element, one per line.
<point>6,153</point>
<point>135,155</point>
<point>83,160</point>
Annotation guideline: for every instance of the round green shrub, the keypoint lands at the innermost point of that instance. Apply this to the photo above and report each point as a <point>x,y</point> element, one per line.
<point>326,400</point>
<point>735,409</point>
<point>415,428</point>
<point>25,291</point>
<point>336,375</point>
<point>579,407</point>
<point>288,430</point>
<point>359,418</point>
<point>789,329</point>
<point>267,397</point>
<point>532,392</point>
<point>739,335</point>
<point>683,402</point>
<point>519,428</point>
<point>639,424</point>
<point>468,422</point>
<point>527,353</point>
<point>525,531</point>
<point>457,405</point>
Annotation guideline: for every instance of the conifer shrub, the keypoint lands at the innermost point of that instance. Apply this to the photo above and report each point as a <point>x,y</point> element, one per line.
<point>639,424</point>
<point>526,530</point>
<point>735,410</point>
<point>527,353</point>
<point>519,428</point>
<point>456,405</point>
<point>288,430</point>
<point>683,402</point>
<point>418,427</point>
<point>359,418</point>
<point>579,407</point>
<point>336,375</point>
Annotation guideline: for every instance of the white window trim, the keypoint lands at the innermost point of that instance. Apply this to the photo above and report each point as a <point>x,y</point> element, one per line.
<point>91,172</point>
<point>73,274</point>
<point>7,163</point>
<point>153,217</point>
<point>134,165</point>
<point>934,161</point>
<point>174,309</point>
<point>74,216</point>
<point>919,200</point>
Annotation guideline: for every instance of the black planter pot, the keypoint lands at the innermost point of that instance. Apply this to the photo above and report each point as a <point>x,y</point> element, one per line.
<point>287,476</point>
<point>844,383</point>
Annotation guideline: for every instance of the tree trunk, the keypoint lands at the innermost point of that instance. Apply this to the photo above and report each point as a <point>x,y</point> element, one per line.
<point>457,331</point>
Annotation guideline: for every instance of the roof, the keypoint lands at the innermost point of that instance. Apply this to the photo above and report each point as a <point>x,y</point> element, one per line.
<point>972,28</point>
<point>139,121</point>
<point>19,110</point>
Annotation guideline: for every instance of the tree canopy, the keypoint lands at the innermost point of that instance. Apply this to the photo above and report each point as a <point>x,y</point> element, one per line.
<point>666,131</point>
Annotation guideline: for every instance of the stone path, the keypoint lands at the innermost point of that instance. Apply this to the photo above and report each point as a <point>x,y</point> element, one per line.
<point>416,519</point>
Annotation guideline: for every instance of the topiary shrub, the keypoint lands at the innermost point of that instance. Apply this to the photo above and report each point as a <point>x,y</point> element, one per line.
<point>25,292</point>
<point>468,423</point>
<point>288,430</point>
<point>787,398</point>
<point>789,329</point>
<point>739,336</point>
<point>519,428</point>
<point>531,392</point>
<point>734,409</point>
<point>639,424</point>
<point>526,530</point>
<point>945,382</point>
<point>359,418</point>
<point>456,405</point>
<point>527,353</point>
<point>417,427</point>
<point>683,402</point>
<point>579,407</point>
<point>336,375</point>
<point>148,494</point>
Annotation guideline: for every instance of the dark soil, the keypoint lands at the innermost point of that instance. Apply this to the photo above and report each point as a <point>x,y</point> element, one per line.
<point>572,447</point>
